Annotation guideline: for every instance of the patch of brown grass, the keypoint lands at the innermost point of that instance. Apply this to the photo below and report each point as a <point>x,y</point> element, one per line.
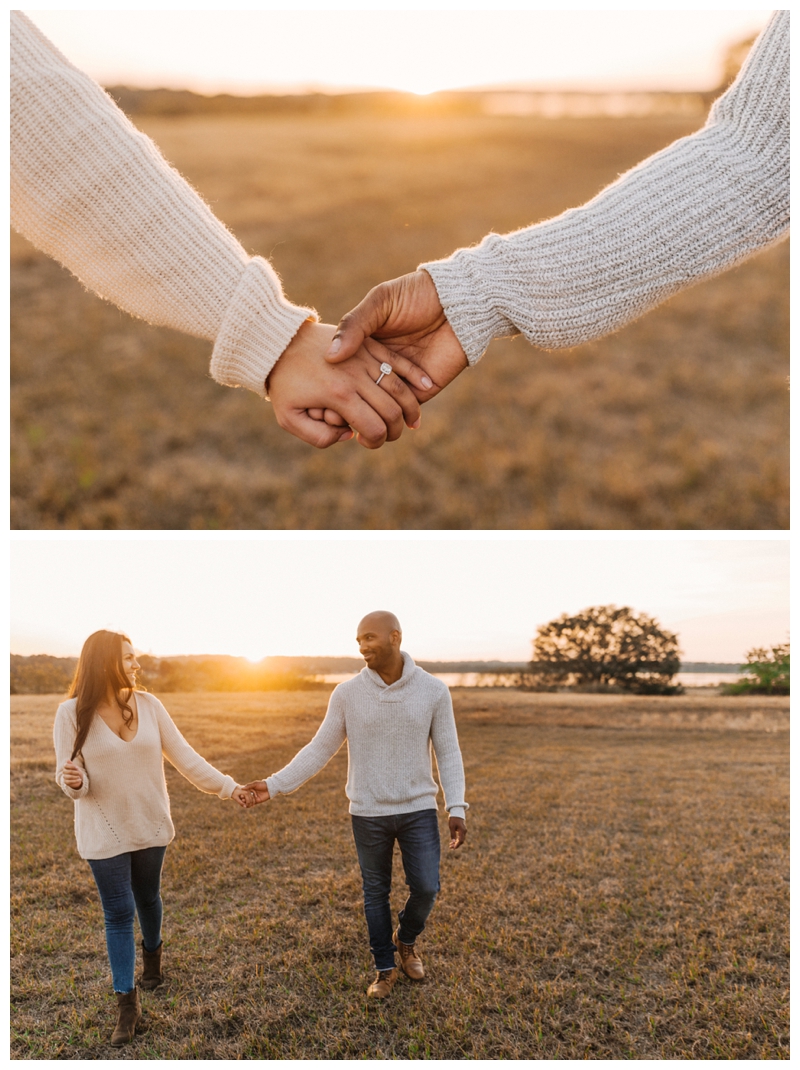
<point>623,893</point>
<point>678,421</point>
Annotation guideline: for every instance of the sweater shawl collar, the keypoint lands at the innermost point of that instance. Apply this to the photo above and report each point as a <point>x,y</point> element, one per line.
<point>395,692</point>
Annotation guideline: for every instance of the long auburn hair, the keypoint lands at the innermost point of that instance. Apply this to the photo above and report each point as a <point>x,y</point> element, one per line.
<point>99,665</point>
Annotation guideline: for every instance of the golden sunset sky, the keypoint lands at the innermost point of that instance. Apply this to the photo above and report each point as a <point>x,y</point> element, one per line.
<point>457,599</point>
<point>419,51</point>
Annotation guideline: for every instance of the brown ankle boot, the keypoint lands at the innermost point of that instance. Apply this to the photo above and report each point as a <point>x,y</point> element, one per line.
<point>129,1014</point>
<point>410,962</point>
<point>383,983</point>
<point>152,976</point>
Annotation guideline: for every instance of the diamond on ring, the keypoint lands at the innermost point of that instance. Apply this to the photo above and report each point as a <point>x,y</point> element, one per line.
<point>386,369</point>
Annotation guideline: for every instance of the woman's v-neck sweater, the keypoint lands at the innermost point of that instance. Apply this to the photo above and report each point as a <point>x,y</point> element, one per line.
<point>123,804</point>
<point>392,731</point>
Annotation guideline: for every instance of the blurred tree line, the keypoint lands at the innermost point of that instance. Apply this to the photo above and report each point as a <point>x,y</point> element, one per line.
<point>42,674</point>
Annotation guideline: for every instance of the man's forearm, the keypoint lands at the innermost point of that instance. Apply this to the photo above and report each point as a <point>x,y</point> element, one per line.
<point>312,758</point>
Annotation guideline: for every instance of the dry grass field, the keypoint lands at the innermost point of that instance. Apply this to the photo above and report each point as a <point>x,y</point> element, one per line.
<point>623,893</point>
<point>678,421</point>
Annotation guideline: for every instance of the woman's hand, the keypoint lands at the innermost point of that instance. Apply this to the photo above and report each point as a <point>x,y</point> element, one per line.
<point>303,385</point>
<point>238,795</point>
<point>72,775</point>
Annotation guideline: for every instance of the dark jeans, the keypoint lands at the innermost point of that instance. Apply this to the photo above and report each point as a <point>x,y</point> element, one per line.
<point>129,883</point>
<point>417,835</point>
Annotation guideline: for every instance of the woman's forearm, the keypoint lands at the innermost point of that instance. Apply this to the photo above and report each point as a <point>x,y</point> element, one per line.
<point>188,762</point>
<point>92,191</point>
<point>694,209</point>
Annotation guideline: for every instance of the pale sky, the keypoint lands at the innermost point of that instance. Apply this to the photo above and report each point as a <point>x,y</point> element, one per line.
<point>420,51</point>
<point>456,598</point>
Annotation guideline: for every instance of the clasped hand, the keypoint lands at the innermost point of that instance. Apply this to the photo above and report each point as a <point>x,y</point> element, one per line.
<point>324,388</point>
<point>251,794</point>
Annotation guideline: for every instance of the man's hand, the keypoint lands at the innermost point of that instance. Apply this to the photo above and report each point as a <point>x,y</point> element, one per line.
<point>255,792</point>
<point>302,386</point>
<point>458,832</point>
<point>406,316</point>
<point>73,775</point>
<point>238,795</point>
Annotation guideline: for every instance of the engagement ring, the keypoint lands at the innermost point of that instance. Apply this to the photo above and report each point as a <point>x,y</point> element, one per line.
<point>386,369</point>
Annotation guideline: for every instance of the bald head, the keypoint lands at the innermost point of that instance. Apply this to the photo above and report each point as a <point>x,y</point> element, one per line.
<point>381,619</point>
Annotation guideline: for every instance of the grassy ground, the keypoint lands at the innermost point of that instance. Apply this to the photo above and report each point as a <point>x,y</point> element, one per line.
<point>678,421</point>
<point>623,893</point>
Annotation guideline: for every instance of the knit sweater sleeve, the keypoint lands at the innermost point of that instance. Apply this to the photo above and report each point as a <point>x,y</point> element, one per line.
<point>330,735</point>
<point>186,760</point>
<point>696,208</point>
<point>95,193</point>
<point>64,731</point>
<point>448,756</point>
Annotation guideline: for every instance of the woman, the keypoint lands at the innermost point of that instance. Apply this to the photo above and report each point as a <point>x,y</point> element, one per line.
<point>110,740</point>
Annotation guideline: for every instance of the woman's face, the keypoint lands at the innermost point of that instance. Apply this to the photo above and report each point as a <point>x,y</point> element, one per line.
<point>129,663</point>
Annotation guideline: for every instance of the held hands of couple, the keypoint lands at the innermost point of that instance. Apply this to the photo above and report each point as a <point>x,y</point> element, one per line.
<point>254,793</point>
<point>407,318</point>
<point>323,404</point>
<point>400,322</point>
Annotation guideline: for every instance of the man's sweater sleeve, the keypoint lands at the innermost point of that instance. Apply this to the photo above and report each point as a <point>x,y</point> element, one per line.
<point>92,191</point>
<point>330,735</point>
<point>691,211</point>
<point>448,756</point>
<point>186,759</point>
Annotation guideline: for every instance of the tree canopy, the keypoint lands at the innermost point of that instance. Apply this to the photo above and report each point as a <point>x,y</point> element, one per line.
<point>607,646</point>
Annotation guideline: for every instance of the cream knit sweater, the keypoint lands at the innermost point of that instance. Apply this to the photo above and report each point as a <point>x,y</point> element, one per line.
<point>391,732</point>
<point>693,210</point>
<point>92,191</point>
<point>122,804</point>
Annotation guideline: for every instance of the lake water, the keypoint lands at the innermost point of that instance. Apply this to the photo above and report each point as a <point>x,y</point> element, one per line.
<point>490,679</point>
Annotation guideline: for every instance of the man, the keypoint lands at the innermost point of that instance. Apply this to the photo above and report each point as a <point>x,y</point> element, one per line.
<point>391,715</point>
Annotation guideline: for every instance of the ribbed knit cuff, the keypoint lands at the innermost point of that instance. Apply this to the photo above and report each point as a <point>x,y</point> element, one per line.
<point>258,325</point>
<point>77,793</point>
<point>227,788</point>
<point>470,312</point>
<point>457,811</point>
<point>272,786</point>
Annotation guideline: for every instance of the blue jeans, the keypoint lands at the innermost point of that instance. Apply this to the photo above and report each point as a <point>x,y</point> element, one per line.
<point>129,883</point>
<point>417,836</point>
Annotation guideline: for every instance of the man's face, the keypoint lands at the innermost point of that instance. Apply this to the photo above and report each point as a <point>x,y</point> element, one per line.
<point>377,642</point>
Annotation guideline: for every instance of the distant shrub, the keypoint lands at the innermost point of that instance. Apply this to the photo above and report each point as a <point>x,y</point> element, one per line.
<point>766,672</point>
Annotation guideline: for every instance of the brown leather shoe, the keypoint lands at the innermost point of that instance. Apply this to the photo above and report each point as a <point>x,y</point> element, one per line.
<point>410,962</point>
<point>129,1014</point>
<point>152,976</point>
<point>383,983</point>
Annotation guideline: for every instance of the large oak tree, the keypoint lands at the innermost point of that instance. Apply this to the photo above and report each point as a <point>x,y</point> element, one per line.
<point>606,646</point>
